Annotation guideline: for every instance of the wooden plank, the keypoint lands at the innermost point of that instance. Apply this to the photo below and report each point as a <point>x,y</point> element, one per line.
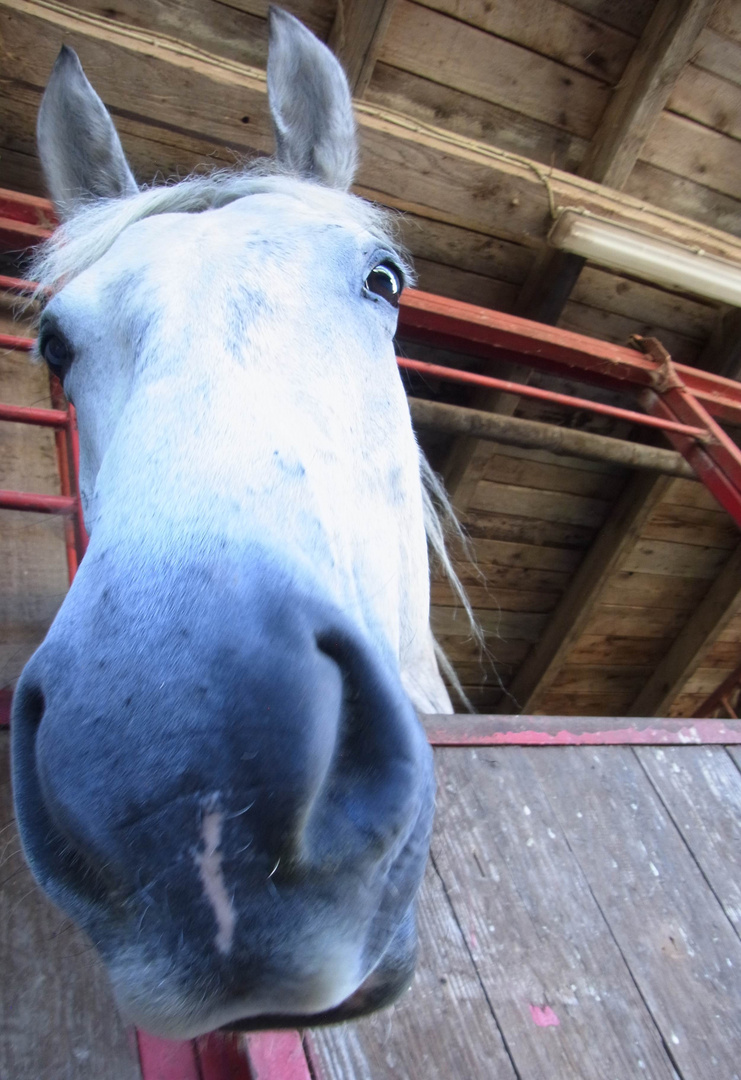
<point>559,987</point>
<point>628,15</point>
<point>707,99</point>
<point>686,654</point>
<point>473,118</point>
<point>687,525</point>
<point>356,36</point>
<point>492,596</point>
<point>718,54</point>
<point>681,949</point>
<point>534,556</point>
<point>596,649</point>
<point>578,603</point>
<point>59,1019</point>
<point>636,621</point>
<point>463,285</point>
<point>644,303</point>
<point>609,326</point>
<point>652,590</point>
<point>526,472</point>
<point>660,187</point>
<point>552,29</point>
<point>512,528</point>
<point>520,625</point>
<point>691,150</point>
<point>664,48</point>
<point>461,56</point>
<point>542,504</point>
<point>441,1028</point>
<point>675,559</point>
<point>624,679</point>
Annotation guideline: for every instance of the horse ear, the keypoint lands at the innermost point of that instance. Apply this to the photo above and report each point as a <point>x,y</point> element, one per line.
<point>79,149</point>
<point>310,104</point>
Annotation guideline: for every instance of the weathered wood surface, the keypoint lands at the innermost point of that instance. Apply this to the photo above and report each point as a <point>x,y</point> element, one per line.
<point>442,1028</point>
<point>57,1017</point>
<point>701,790</point>
<point>677,940</point>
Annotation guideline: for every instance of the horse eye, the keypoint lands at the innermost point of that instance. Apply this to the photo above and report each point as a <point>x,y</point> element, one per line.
<point>57,354</point>
<point>385,281</point>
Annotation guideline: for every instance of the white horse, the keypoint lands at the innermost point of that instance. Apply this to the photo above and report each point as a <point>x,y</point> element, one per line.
<point>219,772</point>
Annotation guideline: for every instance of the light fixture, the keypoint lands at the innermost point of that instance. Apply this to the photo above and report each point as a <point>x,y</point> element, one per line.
<point>660,261</point>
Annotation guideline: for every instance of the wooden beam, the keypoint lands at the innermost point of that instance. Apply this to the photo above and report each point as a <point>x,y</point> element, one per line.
<point>623,528</point>
<point>532,434</point>
<point>662,52</point>
<point>721,603</point>
<point>357,34</point>
<point>185,91</point>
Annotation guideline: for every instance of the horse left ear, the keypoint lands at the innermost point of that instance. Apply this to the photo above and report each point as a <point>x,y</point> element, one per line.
<point>310,104</point>
<point>79,148</point>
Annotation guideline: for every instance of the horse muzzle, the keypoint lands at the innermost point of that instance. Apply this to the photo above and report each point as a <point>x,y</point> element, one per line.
<point>222,781</point>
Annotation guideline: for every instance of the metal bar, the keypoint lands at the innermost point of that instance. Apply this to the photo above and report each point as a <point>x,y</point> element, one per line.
<point>68,459</point>
<point>38,504</point>
<point>710,703</point>
<point>11,341</point>
<point>20,235</point>
<point>495,335</point>
<point>17,285</point>
<point>22,414</point>
<point>717,464</point>
<point>27,208</point>
<point>462,729</point>
<point>533,434</point>
<point>456,375</point>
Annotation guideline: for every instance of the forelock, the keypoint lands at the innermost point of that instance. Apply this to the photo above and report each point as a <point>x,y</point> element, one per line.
<point>79,242</point>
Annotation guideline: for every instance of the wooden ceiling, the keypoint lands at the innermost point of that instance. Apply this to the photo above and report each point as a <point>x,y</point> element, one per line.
<point>601,592</point>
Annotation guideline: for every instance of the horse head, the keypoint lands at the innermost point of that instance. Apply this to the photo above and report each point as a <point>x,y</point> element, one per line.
<point>219,771</point>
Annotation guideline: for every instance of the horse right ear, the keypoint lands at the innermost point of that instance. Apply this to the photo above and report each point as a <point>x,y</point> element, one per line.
<point>80,151</point>
<point>310,105</point>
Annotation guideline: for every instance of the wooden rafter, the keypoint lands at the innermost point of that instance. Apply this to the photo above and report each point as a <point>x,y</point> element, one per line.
<point>659,57</point>
<point>720,604</point>
<point>574,610</point>
<point>357,33</point>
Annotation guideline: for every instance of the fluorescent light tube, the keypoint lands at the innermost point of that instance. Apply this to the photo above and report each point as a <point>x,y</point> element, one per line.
<point>647,257</point>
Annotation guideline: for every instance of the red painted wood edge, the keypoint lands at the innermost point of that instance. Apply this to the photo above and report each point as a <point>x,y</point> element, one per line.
<point>224,1056</point>
<point>276,1055</point>
<point>472,730</point>
<point>164,1059</point>
<point>469,729</point>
